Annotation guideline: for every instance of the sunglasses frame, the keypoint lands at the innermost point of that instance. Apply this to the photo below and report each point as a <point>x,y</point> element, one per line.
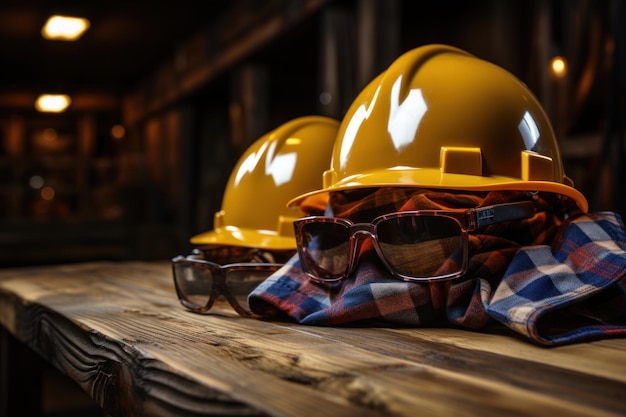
<point>220,287</point>
<point>467,219</point>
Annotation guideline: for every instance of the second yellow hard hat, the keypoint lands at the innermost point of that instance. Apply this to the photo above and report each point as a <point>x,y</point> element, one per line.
<point>278,166</point>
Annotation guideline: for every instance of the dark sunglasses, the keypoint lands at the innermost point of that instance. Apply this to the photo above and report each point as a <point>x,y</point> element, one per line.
<point>200,282</point>
<point>420,245</point>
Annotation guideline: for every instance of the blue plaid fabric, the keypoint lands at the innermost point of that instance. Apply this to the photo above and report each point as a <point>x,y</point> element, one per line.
<point>574,290</point>
<point>571,287</point>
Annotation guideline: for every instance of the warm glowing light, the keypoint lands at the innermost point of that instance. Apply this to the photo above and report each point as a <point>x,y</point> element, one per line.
<point>52,103</point>
<point>118,132</point>
<point>558,65</point>
<point>66,28</point>
<point>47,193</point>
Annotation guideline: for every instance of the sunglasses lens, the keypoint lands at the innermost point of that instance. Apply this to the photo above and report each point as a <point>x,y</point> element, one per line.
<point>240,282</point>
<point>422,246</point>
<point>324,249</point>
<point>194,283</point>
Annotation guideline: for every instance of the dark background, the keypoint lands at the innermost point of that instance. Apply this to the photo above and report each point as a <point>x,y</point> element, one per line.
<point>193,83</point>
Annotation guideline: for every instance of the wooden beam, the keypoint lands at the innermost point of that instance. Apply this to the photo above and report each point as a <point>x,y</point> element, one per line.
<point>378,37</point>
<point>249,104</point>
<point>213,52</point>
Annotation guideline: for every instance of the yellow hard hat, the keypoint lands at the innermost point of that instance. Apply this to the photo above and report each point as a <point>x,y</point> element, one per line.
<point>440,117</point>
<point>280,165</point>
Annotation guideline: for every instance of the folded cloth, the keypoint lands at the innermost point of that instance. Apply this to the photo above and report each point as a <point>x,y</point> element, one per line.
<point>570,291</point>
<point>506,279</point>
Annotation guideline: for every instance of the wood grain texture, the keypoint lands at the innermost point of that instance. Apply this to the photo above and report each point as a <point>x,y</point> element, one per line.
<point>118,330</point>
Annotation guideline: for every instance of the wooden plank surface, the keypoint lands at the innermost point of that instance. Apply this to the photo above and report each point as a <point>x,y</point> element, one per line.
<point>118,330</point>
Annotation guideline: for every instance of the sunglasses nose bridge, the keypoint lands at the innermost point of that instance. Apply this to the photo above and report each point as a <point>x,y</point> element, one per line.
<point>358,233</point>
<point>363,230</point>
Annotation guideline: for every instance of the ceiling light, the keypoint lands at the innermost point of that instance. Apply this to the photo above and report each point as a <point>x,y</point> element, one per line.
<point>52,103</point>
<point>558,66</point>
<point>65,28</point>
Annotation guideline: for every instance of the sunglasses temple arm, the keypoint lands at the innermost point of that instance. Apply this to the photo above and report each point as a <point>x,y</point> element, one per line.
<point>485,216</point>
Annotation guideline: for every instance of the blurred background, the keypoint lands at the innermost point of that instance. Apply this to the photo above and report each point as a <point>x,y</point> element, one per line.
<point>165,96</point>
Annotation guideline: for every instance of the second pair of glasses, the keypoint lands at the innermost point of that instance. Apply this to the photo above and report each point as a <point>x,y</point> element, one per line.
<point>200,282</point>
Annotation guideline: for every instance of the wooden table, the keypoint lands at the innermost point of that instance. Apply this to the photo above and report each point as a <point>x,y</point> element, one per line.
<point>118,330</point>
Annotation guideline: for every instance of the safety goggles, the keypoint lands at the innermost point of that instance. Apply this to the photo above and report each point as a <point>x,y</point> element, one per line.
<point>200,282</point>
<point>420,245</point>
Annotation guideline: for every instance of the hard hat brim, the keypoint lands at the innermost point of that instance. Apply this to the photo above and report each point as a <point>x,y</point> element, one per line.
<point>434,178</point>
<point>235,236</point>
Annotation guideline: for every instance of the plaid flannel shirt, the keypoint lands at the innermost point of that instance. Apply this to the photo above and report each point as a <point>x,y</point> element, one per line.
<point>554,282</point>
